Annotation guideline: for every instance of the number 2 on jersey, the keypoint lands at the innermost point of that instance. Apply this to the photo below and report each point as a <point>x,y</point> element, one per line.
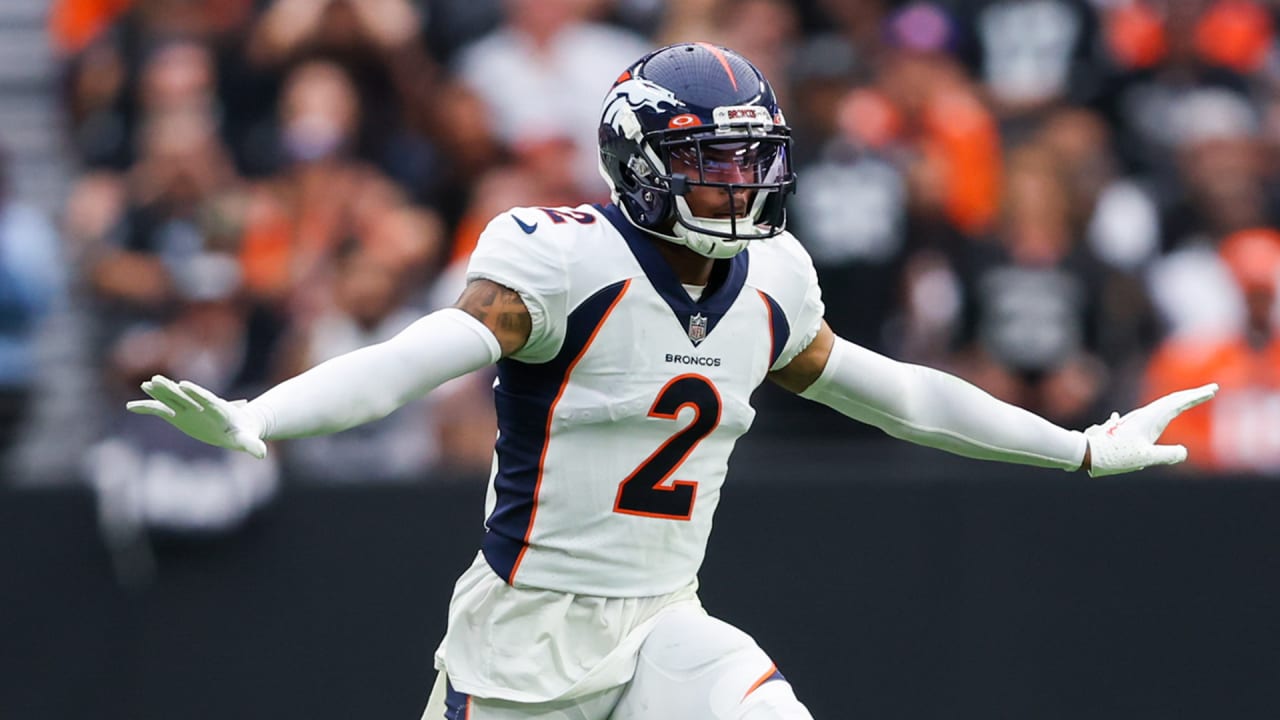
<point>643,493</point>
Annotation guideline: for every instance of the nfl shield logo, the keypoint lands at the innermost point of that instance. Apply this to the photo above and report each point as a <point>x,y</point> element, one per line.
<point>697,328</point>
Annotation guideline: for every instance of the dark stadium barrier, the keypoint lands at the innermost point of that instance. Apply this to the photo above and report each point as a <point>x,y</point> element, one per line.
<point>895,588</point>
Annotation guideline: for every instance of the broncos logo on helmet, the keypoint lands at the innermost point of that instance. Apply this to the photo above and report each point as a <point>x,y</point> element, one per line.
<point>638,93</point>
<point>630,96</point>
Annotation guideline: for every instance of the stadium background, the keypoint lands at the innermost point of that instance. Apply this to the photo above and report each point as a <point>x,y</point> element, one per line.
<point>1071,203</point>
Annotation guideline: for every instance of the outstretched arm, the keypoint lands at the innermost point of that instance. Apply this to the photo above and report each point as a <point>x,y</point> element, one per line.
<point>933,408</point>
<point>488,322</point>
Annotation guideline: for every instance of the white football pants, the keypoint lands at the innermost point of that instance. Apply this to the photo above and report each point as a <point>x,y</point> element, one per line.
<point>690,667</point>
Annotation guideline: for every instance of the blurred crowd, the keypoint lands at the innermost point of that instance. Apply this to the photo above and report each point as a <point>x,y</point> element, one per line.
<point>1072,203</point>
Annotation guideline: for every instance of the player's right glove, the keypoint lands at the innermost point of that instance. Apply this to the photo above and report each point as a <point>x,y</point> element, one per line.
<point>1127,442</point>
<point>202,415</point>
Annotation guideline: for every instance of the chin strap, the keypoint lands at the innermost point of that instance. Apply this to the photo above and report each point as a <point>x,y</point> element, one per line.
<point>711,245</point>
<point>716,248</point>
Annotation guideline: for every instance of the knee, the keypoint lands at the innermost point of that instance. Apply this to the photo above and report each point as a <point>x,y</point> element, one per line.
<point>685,642</point>
<point>774,700</point>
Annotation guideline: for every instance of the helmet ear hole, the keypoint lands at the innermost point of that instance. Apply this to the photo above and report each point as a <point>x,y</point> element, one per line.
<point>629,179</point>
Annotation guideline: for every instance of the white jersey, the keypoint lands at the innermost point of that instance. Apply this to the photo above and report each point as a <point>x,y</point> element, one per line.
<point>617,417</point>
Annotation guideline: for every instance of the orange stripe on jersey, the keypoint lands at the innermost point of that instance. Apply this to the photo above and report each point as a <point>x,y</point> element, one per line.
<point>724,61</point>
<point>773,670</point>
<point>779,331</point>
<point>551,413</point>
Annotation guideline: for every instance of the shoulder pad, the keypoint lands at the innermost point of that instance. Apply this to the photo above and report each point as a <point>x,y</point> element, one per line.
<point>782,250</point>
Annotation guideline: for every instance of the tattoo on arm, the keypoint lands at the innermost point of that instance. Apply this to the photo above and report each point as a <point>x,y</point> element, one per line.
<point>501,310</point>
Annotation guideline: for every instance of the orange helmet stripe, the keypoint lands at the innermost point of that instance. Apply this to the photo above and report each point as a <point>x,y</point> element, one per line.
<point>724,61</point>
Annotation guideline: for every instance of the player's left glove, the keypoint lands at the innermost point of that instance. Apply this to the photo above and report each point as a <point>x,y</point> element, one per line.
<point>1125,443</point>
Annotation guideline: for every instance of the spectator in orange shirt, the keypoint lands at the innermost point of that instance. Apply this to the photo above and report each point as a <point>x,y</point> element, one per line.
<point>1241,432</point>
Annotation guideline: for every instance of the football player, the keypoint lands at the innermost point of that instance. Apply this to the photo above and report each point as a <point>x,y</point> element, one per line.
<point>629,338</point>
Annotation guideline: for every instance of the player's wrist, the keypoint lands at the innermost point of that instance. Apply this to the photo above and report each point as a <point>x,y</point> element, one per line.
<point>255,419</point>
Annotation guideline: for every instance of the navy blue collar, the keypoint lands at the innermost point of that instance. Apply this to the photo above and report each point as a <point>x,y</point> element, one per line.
<point>699,317</point>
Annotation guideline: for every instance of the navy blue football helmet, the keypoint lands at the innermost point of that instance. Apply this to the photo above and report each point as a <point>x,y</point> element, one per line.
<point>695,114</point>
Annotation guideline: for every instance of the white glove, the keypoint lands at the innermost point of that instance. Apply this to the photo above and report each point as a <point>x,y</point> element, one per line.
<point>1126,443</point>
<point>202,415</point>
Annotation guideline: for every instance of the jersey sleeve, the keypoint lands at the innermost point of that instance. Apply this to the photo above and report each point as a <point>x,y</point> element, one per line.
<point>804,307</point>
<point>533,265</point>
